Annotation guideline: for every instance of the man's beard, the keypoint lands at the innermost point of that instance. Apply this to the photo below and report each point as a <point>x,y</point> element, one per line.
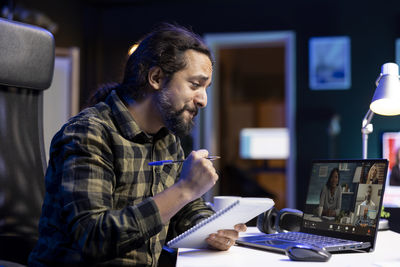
<point>174,119</point>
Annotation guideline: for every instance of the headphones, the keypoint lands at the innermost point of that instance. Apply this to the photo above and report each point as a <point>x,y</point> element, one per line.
<point>273,220</point>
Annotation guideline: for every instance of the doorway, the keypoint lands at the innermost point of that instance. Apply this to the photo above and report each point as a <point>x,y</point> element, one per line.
<point>253,86</point>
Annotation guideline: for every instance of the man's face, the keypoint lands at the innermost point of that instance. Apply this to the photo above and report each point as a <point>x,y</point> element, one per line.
<point>369,193</point>
<point>365,213</point>
<point>178,102</point>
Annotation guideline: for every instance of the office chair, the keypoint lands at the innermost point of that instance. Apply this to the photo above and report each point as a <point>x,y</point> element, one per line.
<point>26,69</point>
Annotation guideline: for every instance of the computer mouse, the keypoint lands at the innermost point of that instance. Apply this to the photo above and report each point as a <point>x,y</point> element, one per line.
<point>307,253</point>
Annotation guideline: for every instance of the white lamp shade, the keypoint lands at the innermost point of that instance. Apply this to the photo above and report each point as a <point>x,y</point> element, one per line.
<point>386,100</point>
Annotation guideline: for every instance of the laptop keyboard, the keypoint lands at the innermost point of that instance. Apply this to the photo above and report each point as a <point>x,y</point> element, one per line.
<point>310,239</point>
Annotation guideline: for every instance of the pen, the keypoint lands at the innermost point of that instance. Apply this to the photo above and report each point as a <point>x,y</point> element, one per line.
<point>163,162</point>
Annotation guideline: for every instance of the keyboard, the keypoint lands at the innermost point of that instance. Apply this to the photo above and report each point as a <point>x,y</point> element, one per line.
<point>310,239</point>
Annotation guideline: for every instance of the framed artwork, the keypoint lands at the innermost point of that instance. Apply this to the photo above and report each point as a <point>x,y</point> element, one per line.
<point>329,63</point>
<point>390,145</point>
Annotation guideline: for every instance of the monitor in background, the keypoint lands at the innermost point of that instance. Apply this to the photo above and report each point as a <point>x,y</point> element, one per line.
<point>390,146</point>
<point>264,143</point>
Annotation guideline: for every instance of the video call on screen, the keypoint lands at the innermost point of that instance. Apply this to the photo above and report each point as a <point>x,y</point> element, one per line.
<point>360,185</point>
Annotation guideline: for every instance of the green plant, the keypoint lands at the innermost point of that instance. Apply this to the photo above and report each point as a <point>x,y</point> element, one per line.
<point>384,214</point>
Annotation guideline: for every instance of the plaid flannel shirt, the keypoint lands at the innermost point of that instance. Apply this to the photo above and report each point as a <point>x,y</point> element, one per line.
<point>98,207</point>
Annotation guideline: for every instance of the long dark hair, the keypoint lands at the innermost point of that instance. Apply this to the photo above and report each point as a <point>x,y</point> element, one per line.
<point>164,47</point>
<point>328,183</point>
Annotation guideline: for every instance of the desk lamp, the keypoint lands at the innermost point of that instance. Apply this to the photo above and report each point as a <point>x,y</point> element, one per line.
<point>386,100</point>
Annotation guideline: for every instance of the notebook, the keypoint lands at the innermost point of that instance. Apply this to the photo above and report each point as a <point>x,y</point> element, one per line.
<point>346,219</point>
<point>241,211</point>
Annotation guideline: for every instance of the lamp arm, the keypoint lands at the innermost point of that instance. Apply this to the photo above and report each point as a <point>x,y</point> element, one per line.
<point>366,129</point>
<point>367,118</point>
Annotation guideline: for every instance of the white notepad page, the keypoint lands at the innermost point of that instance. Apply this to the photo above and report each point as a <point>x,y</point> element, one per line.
<point>241,211</point>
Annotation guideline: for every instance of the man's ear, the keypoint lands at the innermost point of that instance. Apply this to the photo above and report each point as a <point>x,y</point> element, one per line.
<point>156,77</point>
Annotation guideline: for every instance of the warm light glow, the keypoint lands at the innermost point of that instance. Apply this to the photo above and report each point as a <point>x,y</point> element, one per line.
<point>132,49</point>
<point>386,107</point>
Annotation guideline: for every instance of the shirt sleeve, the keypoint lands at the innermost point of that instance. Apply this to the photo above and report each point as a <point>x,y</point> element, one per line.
<point>82,179</point>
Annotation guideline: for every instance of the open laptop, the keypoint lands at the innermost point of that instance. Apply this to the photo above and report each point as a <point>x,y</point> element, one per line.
<point>349,216</point>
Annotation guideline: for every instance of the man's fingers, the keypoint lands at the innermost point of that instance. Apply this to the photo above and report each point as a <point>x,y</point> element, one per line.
<point>228,234</point>
<point>201,153</point>
<point>224,239</point>
<point>220,242</point>
<point>241,227</point>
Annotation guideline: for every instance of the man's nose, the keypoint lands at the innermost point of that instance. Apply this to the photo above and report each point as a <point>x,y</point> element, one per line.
<point>201,99</point>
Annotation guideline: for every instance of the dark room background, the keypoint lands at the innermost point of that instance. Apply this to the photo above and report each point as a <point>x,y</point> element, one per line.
<point>105,29</point>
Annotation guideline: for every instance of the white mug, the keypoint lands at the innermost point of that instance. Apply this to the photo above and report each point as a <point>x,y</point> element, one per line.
<point>221,202</point>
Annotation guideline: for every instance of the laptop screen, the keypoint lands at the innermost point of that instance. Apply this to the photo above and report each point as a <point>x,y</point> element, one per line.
<point>345,197</point>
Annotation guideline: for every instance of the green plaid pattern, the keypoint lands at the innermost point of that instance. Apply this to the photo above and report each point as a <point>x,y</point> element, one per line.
<point>98,207</point>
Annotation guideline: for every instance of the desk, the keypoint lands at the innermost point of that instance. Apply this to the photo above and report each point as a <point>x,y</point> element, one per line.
<point>386,254</point>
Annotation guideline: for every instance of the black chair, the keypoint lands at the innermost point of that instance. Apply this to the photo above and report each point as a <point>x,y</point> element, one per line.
<point>26,69</point>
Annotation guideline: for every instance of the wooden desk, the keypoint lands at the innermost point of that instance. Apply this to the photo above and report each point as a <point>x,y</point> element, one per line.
<point>386,254</point>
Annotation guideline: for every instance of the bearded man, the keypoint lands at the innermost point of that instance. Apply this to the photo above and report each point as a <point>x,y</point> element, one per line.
<point>104,204</point>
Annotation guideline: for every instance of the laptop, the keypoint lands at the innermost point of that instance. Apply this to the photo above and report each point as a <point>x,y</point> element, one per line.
<point>341,211</point>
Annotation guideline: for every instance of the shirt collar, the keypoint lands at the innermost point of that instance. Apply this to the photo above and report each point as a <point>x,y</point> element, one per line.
<point>127,124</point>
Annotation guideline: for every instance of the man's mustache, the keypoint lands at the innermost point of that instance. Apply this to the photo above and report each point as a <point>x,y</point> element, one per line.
<point>194,110</point>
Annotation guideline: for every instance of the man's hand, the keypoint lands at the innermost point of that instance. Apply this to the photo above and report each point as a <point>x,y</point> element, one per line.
<point>198,174</point>
<point>197,177</point>
<point>224,239</point>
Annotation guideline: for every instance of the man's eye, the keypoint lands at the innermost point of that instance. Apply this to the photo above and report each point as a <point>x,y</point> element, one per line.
<point>194,84</point>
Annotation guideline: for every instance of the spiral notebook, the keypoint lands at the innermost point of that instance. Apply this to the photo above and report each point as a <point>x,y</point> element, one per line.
<point>241,211</point>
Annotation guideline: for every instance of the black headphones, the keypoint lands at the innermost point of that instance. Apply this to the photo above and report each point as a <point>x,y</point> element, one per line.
<point>273,221</point>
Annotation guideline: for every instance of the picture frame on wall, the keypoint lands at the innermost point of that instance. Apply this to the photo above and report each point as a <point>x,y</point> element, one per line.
<point>329,63</point>
<point>397,52</point>
<point>390,146</point>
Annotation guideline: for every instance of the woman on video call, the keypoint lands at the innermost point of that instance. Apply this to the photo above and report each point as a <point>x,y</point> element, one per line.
<point>330,201</point>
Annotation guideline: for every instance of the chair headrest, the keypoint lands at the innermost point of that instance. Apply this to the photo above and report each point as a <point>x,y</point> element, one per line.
<point>26,55</point>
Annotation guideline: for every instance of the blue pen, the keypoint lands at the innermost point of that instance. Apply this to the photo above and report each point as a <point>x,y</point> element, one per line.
<point>164,162</point>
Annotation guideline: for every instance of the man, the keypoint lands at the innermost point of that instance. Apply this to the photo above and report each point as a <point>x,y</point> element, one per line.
<point>364,220</point>
<point>368,199</point>
<point>365,206</point>
<point>104,204</point>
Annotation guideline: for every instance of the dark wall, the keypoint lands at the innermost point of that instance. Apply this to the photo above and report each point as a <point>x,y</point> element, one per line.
<point>105,29</point>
